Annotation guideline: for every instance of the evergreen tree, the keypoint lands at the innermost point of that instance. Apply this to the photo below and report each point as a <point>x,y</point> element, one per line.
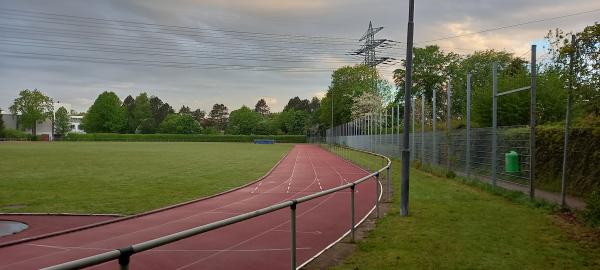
<point>62,124</point>
<point>261,107</point>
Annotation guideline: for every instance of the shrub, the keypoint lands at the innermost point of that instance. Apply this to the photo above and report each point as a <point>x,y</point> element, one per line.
<point>182,137</point>
<point>10,133</point>
<point>180,124</point>
<point>591,214</point>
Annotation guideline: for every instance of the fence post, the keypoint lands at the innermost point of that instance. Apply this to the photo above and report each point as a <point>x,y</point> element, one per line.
<point>563,183</point>
<point>398,123</point>
<point>293,230</point>
<point>352,187</point>
<point>494,119</point>
<point>433,128</point>
<point>125,257</point>
<point>468,151</point>
<point>423,128</point>
<point>449,124</point>
<point>393,130</point>
<point>533,123</point>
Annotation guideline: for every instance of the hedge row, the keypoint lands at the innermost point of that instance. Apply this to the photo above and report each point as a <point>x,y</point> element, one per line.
<point>583,159</point>
<point>182,137</point>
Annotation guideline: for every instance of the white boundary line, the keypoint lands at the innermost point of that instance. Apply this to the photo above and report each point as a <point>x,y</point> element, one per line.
<point>347,232</point>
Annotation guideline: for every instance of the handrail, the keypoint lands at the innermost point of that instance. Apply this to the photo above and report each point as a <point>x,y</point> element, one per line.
<point>124,254</point>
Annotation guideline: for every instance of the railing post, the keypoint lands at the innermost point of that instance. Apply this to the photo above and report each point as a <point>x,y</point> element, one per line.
<point>293,231</point>
<point>377,195</point>
<point>352,230</point>
<point>125,257</point>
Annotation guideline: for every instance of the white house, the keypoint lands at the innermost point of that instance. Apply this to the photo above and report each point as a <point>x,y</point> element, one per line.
<point>46,127</point>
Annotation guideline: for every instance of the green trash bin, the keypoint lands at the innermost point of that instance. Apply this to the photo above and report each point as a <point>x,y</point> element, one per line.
<point>511,162</point>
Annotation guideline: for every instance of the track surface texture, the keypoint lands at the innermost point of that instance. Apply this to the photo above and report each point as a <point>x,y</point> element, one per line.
<point>259,243</point>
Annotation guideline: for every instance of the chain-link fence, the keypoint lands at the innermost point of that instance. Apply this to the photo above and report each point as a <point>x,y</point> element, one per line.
<point>451,150</point>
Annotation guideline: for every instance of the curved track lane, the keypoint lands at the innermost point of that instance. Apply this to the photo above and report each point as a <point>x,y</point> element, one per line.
<point>259,243</point>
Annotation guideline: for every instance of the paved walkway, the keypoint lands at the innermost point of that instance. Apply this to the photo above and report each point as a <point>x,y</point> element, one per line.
<point>259,243</point>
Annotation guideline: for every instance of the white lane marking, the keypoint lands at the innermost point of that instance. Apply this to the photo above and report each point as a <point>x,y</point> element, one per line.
<point>256,188</point>
<point>313,232</point>
<point>260,234</point>
<point>292,176</point>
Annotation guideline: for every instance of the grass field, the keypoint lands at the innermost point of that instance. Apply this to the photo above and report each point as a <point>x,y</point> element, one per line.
<point>453,225</point>
<point>124,178</point>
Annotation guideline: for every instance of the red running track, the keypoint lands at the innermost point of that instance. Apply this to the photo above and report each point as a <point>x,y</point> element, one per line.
<point>259,243</point>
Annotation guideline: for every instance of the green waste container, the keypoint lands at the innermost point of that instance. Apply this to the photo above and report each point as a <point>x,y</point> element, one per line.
<point>511,160</point>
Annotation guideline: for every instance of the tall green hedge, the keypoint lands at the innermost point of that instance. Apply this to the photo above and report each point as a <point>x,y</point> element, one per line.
<point>182,137</point>
<point>583,159</point>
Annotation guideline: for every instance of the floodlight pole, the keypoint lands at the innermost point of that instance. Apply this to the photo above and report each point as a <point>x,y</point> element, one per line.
<point>407,94</point>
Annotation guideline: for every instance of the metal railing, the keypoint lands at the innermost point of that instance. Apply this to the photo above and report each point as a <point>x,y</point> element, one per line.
<point>123,255</point>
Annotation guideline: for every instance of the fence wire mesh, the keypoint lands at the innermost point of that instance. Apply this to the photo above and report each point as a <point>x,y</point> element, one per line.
<point>449,149</point>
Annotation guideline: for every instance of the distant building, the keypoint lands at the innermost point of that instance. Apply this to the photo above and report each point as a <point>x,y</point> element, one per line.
<point>46,127</point>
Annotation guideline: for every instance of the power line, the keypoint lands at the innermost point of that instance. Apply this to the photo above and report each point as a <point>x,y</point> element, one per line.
<point>513,25</point>
<point>178,28</point>
<point>155,63</point>
<point>153,40</point>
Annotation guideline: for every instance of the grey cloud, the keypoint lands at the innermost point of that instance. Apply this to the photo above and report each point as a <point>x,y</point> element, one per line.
<point>79,82</point>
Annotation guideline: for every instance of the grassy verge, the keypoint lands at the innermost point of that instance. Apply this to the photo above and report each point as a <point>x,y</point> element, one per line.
<point>461,225</point>
<point>126,178</point>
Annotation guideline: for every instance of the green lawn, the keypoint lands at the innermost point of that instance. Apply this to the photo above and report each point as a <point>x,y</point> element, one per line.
<point>121,177</point>
<point>453,225</point>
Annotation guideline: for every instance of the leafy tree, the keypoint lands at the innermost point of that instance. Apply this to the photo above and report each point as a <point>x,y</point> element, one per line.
<point>129,105</point>
<point>365,104</point>
<point>586,62</point>
<point>142,115</point>
<point>159,110</point>
<point>185,110</point>
<point>314,105</point>
<point>106,115</point>
<point>33,106</point>
<point>180,124</point>
<point>297,104</point>
<point>261,107</point>
<point>293,122</point>
<point>431,69</point>
<point>62,124</point>
<point>199,115</point>
<point>217,117</point>
<point>346,83</point>
<point>243,121</point>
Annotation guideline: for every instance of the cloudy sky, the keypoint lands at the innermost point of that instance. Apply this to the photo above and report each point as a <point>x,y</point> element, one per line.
<point>201,52</point>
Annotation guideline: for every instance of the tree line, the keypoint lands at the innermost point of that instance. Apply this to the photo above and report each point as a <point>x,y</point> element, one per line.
<point>147,115</point>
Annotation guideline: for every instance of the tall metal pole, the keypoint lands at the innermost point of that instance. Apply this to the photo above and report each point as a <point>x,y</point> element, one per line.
<point>468,152</point>
<point>563,189</point>
<point>407,94</point>
<point>393,128</point>
<point>532,122</point>
<point>494,120</point>
<point>449,123</point>
<point>398,123</point>
<point>422,128</point>
<point>433,127</point>
<point>332,114</point>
